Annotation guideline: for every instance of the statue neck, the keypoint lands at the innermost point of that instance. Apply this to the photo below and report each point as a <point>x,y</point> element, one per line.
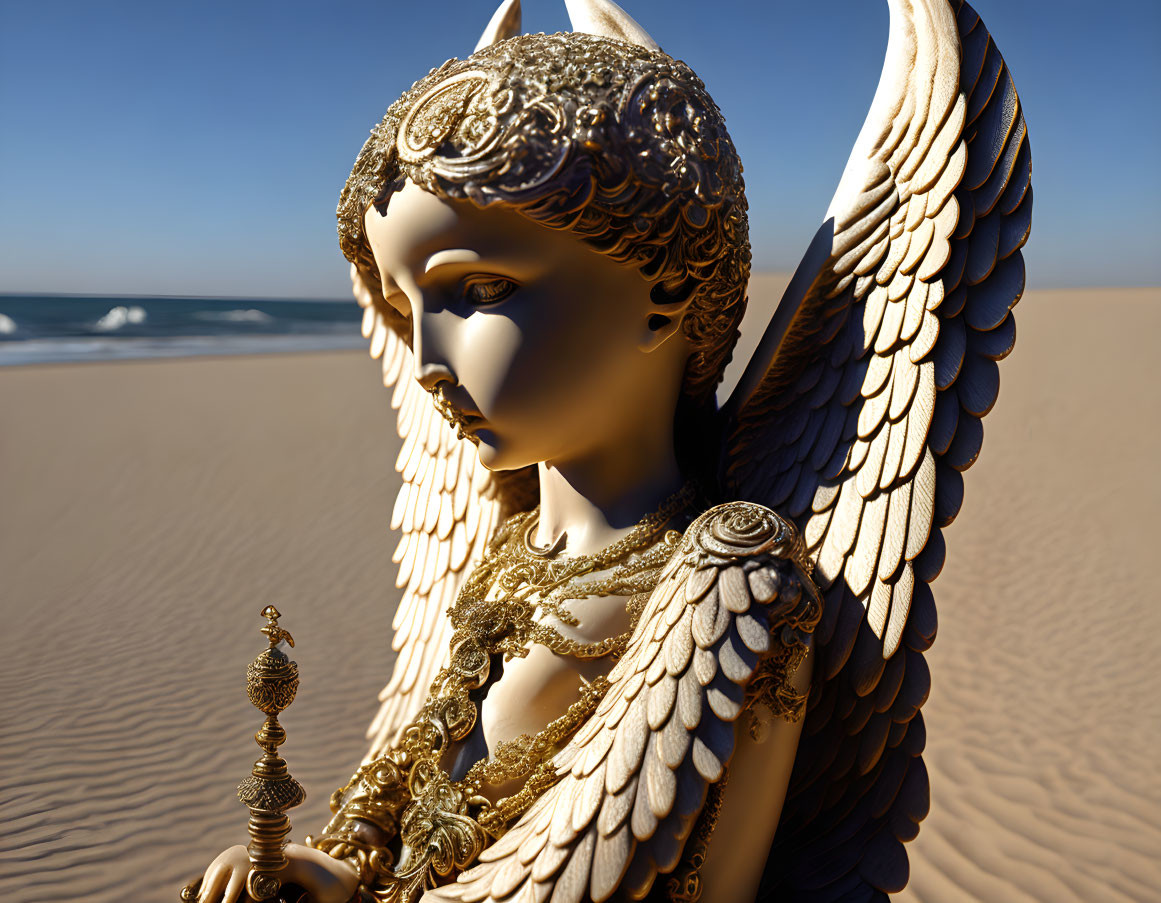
<point>596,498</point>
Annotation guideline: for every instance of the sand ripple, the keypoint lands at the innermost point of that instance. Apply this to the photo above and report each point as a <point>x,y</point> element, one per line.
<point>1043,724</point>
<point>145,535</point>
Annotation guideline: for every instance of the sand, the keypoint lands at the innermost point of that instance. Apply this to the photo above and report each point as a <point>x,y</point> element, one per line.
<point>148,510</point>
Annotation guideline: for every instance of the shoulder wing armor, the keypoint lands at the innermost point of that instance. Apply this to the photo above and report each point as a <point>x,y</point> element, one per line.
<point>632,781</point>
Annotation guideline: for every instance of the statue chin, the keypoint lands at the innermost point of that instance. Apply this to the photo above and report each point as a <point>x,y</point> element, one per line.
<point>491,450</point>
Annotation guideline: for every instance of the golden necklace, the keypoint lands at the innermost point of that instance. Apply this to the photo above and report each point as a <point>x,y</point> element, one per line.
<point>405,800</point>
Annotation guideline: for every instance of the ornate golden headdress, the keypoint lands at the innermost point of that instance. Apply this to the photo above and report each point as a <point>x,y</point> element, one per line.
<point>597,132</point>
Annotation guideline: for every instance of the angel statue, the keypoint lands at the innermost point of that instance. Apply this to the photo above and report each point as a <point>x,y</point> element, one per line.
<point>648,647</point>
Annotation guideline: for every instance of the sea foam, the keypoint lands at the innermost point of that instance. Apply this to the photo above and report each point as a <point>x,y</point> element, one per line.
<point>118,317</point>
<point>249,315</point>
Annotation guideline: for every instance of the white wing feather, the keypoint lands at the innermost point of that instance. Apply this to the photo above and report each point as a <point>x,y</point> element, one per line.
<point>862,407</point>
<point>446,511</point>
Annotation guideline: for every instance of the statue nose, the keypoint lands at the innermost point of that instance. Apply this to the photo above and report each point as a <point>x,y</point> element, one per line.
<point>431,367</point>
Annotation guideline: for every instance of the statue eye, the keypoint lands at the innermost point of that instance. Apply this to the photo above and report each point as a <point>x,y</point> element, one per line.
<point>482,291</point>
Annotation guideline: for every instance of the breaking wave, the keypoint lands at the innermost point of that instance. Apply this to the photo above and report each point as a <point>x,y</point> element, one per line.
<point>119,317</point>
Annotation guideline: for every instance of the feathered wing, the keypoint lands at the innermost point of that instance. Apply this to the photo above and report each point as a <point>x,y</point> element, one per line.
<point>861,410</point>
<point>446,511</point>
<point>635,776</point>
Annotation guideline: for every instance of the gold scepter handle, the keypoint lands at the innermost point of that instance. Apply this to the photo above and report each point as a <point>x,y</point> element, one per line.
<point>271,683</point>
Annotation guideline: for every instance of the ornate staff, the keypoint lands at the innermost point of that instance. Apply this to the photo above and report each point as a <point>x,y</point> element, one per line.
<point>271,682</point>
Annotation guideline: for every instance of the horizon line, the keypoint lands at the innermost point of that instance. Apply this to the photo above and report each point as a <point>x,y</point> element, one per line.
<point>158,296</point>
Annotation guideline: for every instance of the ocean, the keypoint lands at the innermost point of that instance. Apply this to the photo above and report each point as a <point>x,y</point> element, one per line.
<point>43,329</point>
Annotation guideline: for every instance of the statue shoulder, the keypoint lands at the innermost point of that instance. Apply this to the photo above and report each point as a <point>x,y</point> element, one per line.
<point>736,560</point>
<point>745,567</point>
<point>746,534</point>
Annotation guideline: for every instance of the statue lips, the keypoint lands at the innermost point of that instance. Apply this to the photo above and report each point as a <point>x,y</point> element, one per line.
<point>470,422</point>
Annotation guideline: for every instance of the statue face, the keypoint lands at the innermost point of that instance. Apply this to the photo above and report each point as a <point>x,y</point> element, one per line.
<point>543,347</point>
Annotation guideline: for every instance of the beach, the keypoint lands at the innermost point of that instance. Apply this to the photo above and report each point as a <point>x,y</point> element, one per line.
<point>149,510</point>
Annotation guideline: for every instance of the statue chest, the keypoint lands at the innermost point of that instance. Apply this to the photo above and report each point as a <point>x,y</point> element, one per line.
<point>533,691</point>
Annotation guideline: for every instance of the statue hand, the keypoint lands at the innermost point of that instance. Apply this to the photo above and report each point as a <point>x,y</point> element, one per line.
<point>326,880</point>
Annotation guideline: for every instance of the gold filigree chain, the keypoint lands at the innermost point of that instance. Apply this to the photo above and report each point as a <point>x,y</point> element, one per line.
<point>402,818</point>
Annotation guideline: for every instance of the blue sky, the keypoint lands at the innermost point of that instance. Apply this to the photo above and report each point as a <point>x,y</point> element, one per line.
<point>183,147</point>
